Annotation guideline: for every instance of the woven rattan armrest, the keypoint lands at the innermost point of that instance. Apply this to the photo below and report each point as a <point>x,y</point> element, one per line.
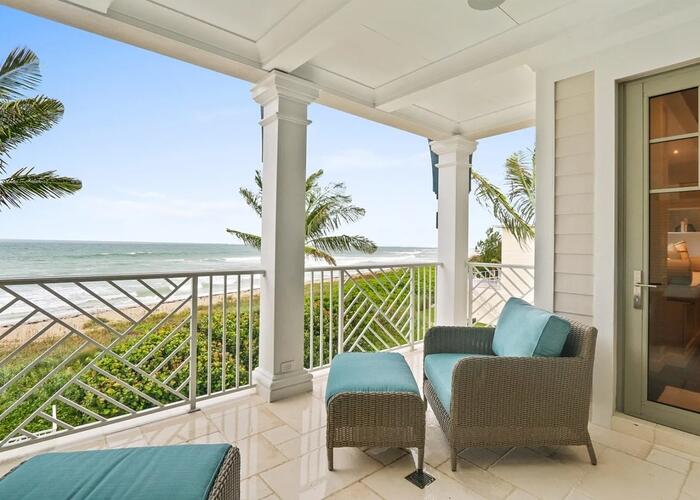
<point>459,339</point>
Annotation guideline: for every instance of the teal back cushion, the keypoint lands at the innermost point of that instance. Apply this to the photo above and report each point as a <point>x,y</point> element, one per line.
<point>370,372</point>
<point>524,331</point>
<point>183,472</point>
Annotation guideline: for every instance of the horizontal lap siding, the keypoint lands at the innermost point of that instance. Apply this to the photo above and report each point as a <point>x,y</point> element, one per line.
<point>573,204</point>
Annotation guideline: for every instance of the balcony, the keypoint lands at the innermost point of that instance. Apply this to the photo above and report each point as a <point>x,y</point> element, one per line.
<point>105,362</point>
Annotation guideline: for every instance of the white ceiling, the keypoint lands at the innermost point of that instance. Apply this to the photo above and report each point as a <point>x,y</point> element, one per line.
<point>433,67</point>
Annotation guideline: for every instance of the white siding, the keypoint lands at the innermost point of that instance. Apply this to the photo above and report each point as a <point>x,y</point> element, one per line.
<point>573,205</point>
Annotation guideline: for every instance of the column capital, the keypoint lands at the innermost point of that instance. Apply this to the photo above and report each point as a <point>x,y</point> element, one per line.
<point>278,84</point>
<point>455,144</point>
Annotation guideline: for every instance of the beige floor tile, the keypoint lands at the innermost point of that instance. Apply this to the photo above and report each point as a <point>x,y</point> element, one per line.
<point>481,457</point>
<point>519,494</point>
<point>8,465</point>
<point>577,455</point>
<point>386,455</point>
<point>634,427</point>
<point>437,449</point>
<point>280,434</point>
<point>272,497</point>
<point>356,491</point>
<point>669,460</point>
<point>619,475</point>
<point>577,495</point>
<point>239,422</point>
<point>691,488</point>
<point>213,438</point>
<point>308,477</point>
<point>474,478</point>
<point>178,429</point>
<point>389,482</point>
<point>96,443</point>
<point>303,413</point>
<point>304,443</point>
<point>257,455</point>
<point>622,442</point>
<point>541,476</point>
<point>127,438</point>
<point>677,440</point>
<point>254,488</point>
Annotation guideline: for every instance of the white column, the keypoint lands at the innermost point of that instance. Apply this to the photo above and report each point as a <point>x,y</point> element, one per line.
<point>285,100</point>
<point>453,228</point>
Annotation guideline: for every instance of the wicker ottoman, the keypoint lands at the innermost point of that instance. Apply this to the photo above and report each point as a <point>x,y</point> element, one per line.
<point>372,399</point>
<point>183,472</point>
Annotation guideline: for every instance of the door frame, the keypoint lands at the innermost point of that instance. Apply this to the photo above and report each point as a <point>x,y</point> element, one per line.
<point>633,348</point>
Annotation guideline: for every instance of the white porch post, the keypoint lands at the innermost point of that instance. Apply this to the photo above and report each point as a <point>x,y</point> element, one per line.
<point>285,100</point>
<point>453,228</point>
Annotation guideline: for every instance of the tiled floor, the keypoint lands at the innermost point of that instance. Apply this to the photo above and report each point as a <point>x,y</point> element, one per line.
<point>283,456</point>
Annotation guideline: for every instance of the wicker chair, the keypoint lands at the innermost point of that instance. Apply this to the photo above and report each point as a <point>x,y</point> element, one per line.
<point>507,401</point>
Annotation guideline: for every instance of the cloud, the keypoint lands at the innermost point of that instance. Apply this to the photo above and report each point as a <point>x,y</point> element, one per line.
<point>365,159</point>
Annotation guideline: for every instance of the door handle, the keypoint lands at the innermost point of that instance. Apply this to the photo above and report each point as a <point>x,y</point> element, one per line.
<point>637,285</point>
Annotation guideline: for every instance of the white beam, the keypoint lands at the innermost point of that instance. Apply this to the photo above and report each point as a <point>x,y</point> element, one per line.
<point>312,27</point>
<point>101,6</point>
<point>285,100</point>
<point>453,229</point>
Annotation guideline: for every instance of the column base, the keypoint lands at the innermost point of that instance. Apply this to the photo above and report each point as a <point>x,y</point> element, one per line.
<point>273,387</point>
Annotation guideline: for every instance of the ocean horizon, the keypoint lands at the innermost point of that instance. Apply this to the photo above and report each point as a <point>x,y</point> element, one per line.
<point>56,258</point>
<point>34,258</point>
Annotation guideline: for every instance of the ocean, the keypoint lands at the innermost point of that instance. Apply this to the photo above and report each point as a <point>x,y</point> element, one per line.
<point>33,258</point>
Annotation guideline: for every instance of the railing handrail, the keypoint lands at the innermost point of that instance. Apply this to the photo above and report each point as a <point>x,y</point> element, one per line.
<point>31,280</point>
<point>371,266</point>
<point>500,265</point>
<point>126,277</point>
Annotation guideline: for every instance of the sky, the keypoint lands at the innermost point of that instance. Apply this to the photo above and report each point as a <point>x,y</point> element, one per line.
<point>162,147</point>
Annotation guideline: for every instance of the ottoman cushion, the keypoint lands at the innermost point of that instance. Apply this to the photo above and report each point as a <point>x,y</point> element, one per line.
<point>150,473</point>
<point>370,372</point>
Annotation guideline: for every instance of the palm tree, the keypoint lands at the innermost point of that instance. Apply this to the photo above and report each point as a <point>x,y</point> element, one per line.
<point>514,209</point>
<point>21,119</point>
<point>327,208</point>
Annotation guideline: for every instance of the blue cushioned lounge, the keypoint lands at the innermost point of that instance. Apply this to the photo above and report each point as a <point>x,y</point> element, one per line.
<point>184,472</point>
<point>370,372</point>
<point>525,331</point>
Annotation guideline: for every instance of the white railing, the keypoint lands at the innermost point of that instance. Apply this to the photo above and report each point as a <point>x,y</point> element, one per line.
<point>360,309</point>
<point>79,352</point>
<point>491,285</point>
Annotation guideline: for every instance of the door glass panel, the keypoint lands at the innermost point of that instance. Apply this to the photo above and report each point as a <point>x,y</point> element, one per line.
<point>674,163</point>
<point>673,114</point>
<point>674,305</point>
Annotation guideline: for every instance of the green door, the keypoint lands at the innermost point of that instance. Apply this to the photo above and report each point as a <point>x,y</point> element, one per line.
<point>660,249</point>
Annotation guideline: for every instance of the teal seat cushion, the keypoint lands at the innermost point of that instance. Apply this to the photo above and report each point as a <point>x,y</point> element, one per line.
<point>370,372</point>
<point>183,472</point>
<point>525,331</point>
<point>438,368</point>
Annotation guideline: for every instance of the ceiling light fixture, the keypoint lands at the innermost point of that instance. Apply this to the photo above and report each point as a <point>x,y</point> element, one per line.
<point>484,4</point>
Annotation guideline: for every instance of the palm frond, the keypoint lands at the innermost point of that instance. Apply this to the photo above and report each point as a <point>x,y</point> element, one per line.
<point>248,239</point>
<point>520,177</point>
<point>23,119</point>
<point>24,185</point>
<point>344,243</point>
<point>253,200</point>
<point>317,254</point>
<point>19,73</point>
<point>312,179</point>
<point>493,199</point>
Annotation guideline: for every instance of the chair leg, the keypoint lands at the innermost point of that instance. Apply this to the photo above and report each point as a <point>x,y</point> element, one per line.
<point>453,459</point>
<point>421,453</point>
<point>330,458</point>
<point>591,452</point>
